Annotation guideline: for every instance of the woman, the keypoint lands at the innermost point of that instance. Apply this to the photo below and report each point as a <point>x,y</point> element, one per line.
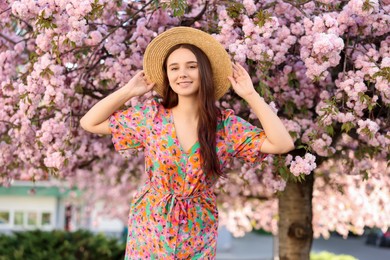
<point>187,141</point>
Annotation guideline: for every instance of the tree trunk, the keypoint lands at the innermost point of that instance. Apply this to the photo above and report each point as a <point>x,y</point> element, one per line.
<point>295,220</point>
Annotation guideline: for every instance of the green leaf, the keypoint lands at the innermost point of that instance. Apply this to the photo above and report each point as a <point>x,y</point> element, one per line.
<point>178,6</point>
<point>365,175</point>
<point>293,82</point>
<point>262,17</point>
<point>367,5</point>
<point>234,9</point>
<point>45,23</point>
<point>289,108</point>
<point>330,130</point>
<point>284,173</point>
<point>79,89</point>
<point>346,127</point>
<point>384,73</point>
<point>47,72</point>
<point>96,12</point>
<point>302,146</point>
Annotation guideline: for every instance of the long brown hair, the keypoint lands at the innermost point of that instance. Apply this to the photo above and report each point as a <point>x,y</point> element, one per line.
<point>208,111</point>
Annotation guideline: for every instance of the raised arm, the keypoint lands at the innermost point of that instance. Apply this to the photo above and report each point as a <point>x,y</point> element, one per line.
<point>278,139</point>
<point>96,119</point>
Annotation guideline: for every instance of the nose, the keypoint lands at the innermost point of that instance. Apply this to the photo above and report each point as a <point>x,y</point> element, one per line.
<point>183,73</point>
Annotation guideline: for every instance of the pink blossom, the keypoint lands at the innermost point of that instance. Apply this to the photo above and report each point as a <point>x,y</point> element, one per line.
<point>250,6</point>
<point>303,165</point>
<point>54,160</point>
<point>322,146</point>
<point>95,37</point>
<point>367,125</point>
<point>356,7</point>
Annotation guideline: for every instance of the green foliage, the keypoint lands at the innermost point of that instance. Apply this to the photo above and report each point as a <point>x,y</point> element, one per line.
<point>262,17</point>
<point>178,6</point>
<point>293,81</point>
<point>329,256</point>
<point>364,98</point>
<point>264,90</point>
<point>5,138</point>
<point>46,73</point>
<point>69,43</point>
<point>367,5</point>
<point>284,171</point>
<point>329,130</point>
<point>330,109</point>
<point>347,126</point>
<point>45,23</point>
<point>38,245</point>
<point>289,108</point>
<point>234,9</point>
<point>384,73</point>
<point>96,12</point>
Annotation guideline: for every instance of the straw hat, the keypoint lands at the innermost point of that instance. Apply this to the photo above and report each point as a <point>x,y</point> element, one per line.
<point>158,48</point>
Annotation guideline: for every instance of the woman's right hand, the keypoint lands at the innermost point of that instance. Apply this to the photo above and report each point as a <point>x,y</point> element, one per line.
<point>139,85</point>
<point>96,119</point>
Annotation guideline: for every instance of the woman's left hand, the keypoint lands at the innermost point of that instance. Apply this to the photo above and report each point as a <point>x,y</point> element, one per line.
<point>241,82</point>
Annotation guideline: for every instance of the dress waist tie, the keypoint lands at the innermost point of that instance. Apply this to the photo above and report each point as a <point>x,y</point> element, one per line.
<point>171,198</point>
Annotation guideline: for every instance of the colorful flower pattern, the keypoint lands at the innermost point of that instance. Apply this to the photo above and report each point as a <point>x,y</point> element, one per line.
<point>174,214</point>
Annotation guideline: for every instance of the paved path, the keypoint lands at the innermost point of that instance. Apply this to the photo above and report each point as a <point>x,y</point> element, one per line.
<point>250,247</point>
<point>260,247</point>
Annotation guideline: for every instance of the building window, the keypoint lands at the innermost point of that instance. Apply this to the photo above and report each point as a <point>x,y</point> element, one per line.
<point>18,218</point>
<point>4,217</point>
<point>46,219</point>
<point>32,218</point>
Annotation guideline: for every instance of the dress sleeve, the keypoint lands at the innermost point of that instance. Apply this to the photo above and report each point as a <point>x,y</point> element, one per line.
<point>129,127</point>
<point>244,140</point>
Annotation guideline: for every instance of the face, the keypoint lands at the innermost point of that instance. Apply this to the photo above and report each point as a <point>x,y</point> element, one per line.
<point>183,72</point>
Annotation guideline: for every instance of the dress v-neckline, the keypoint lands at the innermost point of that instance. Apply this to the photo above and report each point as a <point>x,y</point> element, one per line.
<point>193,148</point>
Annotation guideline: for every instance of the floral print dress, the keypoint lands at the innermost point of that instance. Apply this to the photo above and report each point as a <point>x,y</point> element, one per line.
<point>174,214</point>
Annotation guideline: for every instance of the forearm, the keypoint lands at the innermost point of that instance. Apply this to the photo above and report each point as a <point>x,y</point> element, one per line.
<point>273,127</point>
<point>105,107</point>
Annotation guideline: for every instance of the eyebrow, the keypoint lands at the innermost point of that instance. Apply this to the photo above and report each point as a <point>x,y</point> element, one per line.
<point>188,62</point>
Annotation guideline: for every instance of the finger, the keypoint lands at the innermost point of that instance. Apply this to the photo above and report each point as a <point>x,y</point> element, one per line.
<point>238,70</point>
<point>235,68</point>
<point>232,80</point>
<point>138,75</point>
<point>236,65</point>
<point>241,68</point>
<point>235,72</point>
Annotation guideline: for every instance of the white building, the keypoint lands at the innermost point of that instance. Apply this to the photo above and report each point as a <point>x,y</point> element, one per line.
<point>43,205</point>
<point>27,205</point>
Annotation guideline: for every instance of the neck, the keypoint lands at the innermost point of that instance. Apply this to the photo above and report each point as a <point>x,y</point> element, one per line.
<point>188,107</point>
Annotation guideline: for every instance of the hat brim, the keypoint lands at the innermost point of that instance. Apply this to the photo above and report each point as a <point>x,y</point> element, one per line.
<point>158,48</point>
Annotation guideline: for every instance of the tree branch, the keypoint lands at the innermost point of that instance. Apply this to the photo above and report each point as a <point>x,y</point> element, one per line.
<point>192,20</point>
<point>6,10</point>
<point>110,33</point>
<point>298,6</point>
<point>8,39</point>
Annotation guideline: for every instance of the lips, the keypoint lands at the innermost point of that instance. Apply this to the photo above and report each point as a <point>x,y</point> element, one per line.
<point>184,83</point>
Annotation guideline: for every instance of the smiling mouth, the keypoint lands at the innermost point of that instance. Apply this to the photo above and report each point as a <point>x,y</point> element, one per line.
<point>184,83</point>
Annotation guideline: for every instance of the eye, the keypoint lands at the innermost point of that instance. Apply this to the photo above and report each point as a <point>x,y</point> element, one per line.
<point>193,66</point>
<point>173,68</point>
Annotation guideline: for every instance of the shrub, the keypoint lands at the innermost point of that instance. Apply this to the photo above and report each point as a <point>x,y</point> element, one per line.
<point>53,245</point>
<point>329,256</point>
